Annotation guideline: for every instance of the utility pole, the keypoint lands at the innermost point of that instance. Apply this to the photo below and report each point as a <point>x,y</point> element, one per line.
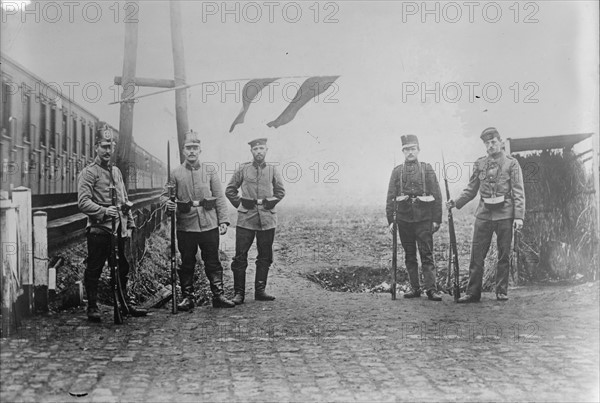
<point>130,82</point>
<point>126,114</point>
<point>181,115</point>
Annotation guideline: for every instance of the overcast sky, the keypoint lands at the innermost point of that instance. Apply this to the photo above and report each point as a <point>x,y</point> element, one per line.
<point>542,56</point>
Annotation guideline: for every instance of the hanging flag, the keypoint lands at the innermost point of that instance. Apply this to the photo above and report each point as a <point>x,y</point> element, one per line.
<point>312,87</point>
<point>250,91</point>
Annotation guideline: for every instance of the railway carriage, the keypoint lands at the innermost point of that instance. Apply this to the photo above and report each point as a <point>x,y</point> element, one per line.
<point>46,138</point>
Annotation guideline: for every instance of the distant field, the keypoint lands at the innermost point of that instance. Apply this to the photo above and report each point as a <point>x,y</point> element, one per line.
<point>350,241</point>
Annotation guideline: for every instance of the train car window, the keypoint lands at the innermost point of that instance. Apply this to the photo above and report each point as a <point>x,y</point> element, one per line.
<point>26,116</point>
<point>33,131</point>
<point>64,131</point>
<point>74,137</point>
<point>92,134</point>
<point>83,136</point>
<point>53,114</point>
<point>6,107</point>
<point>43,125</point>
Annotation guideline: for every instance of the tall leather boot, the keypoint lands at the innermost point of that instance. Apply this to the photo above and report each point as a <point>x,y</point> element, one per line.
<point>239,286</point>
<point>93,313</point>
<point>186,280</point>
<point>132,309</point>
<point>216,287</point>
<point>260,283</point>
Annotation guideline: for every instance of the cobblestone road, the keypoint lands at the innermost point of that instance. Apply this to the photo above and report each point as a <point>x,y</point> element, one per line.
<point>314,345</point>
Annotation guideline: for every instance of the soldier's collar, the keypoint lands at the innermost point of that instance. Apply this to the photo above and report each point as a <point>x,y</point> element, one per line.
<point>262,164</point>
<point>498,157</point>
<point>101,163</point>
<point>191,167</point>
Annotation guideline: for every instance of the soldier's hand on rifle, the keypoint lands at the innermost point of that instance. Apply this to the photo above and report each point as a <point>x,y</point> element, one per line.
<point>450,204</point>
<point>222,229</point>
<point>391,228</point>
<point>112,211</point>
<point>171,206</point>
<point>518,224</point>
<point>435,227</point>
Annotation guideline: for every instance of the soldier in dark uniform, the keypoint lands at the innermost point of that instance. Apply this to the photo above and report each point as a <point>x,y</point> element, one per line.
<point>499,180</point>
<point>415,192</point>
<point>262,188</point>
<point>94,200</point>
<point>201,214</point>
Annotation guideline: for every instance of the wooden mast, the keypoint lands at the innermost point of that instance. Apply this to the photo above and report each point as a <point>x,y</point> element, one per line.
<point>181,115</point>
<point>124,159</point>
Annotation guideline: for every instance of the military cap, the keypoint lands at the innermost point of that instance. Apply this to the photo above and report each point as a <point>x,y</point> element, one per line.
<point>104,134</point>
<point>409,140</point>
<point>258,142</point>
<point>191,138</point>
<point>489,134</point>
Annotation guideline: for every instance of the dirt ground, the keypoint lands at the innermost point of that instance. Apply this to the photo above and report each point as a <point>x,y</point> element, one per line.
<point>350,249</point>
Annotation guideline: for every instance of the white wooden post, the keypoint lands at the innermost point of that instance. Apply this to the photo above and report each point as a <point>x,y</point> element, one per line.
<point>10,272</point>
<point>40,261</point>
<point>596,175</point>
<point>22,199</point>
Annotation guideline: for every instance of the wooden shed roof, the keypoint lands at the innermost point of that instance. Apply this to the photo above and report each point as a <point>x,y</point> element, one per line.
<point>547,142</point>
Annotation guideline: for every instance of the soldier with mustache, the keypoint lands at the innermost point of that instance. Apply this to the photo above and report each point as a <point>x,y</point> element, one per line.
<point>94,199</point>
<point>261,189</point>
<point>499,180</point>
<point>201,214</point>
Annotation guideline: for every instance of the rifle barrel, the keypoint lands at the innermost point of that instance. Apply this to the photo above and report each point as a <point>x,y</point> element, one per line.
<point>453,247</point>
<point>173,253</point>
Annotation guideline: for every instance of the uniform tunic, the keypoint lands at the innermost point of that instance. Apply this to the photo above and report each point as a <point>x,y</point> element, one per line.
<point>256,182</point>
<point>412,185</point>
<point>196,183</point>
<point>94,198</point>
<point>499,176</point>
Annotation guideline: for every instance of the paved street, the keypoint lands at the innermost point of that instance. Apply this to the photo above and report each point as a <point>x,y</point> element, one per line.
<point>315,345</point>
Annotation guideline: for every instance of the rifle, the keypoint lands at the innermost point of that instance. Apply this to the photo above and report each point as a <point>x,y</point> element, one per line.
<point>395,252</point>
<point>514,257</point>
<point>453,251</point>
<point>171,188</point>
<point>117,288</point>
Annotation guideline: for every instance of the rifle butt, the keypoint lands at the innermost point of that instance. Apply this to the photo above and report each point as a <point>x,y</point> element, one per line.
<point>394,259</point>
<point>173,267</point>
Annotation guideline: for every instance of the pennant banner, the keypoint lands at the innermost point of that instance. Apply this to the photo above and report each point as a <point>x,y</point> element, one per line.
<point>312,87</point>
<point>309,89</point>
<point>250,91</point>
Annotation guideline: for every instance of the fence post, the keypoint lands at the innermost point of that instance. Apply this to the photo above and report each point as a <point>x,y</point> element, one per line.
<point>22,199</point>
<point>596,176</point>
<point>10,271</point>
<point>40,257</point>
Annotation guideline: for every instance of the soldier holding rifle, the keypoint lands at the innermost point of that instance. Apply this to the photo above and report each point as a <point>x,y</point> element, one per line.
<point>498,179</point>
<point>94,199</point>
<point>415,191</point>
<point>201,214</point>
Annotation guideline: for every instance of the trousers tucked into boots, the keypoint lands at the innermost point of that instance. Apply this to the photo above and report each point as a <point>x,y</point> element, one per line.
<point>264,243</point>
<point>99,250</point>
<point>208,241</point>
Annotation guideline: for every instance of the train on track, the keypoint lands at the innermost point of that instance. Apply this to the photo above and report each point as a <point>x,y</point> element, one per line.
<point>46,139</point>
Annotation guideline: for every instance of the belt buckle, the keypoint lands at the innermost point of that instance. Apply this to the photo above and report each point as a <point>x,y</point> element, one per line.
<point>195,203</point>
<point>259,202</point>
